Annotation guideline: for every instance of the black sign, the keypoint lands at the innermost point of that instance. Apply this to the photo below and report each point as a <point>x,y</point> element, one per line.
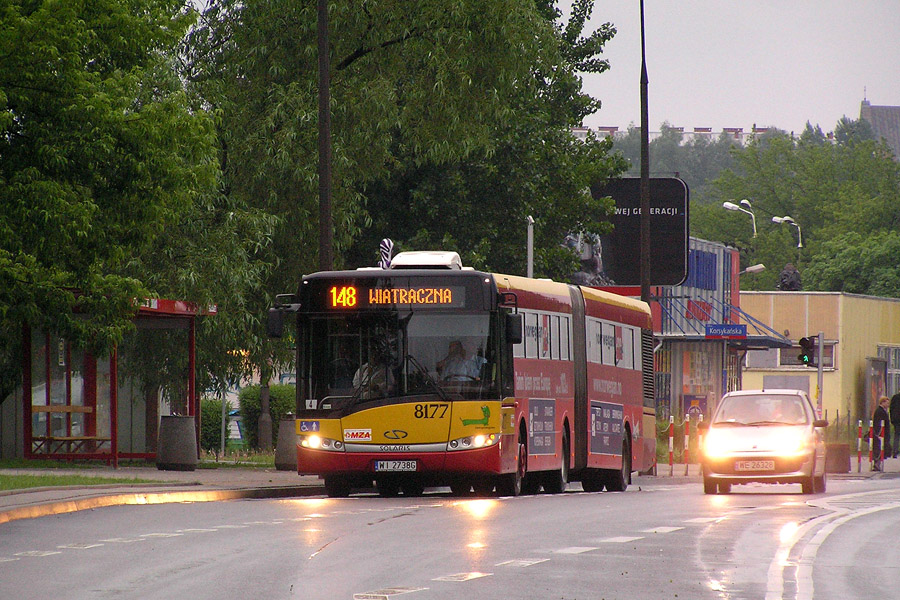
<point>621,250</point>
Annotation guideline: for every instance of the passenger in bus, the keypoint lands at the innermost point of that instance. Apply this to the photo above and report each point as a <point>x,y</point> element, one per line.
<point>460,364</point>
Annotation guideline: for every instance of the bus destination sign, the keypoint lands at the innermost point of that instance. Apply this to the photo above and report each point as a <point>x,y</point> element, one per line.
<point>350,296</point>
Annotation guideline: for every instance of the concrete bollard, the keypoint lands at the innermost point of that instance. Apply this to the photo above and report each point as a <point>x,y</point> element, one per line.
<point>176,447</point>
<point>286,447</point>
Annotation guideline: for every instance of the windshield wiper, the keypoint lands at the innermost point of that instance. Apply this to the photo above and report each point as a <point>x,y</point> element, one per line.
<point>428,378</point>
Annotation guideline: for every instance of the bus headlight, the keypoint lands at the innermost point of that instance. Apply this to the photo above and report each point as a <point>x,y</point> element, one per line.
<point>473,442</point>
<point>314,442</point>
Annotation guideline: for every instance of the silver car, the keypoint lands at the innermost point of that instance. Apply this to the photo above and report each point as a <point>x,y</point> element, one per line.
<point>766,436</point>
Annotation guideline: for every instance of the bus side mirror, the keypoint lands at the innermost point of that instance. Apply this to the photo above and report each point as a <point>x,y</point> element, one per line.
<point>275,323</point>
<point>514,323</point>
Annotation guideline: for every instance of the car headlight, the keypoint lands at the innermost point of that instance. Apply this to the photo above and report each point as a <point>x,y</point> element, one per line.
<point>791,443</point>
<point>315,442</point>
<point>717,444</point>
<point>473,442</point>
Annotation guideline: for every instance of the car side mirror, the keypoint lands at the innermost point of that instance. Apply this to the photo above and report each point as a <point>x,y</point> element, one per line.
<point>703,426</point>
<point>820,423</point>
<point>514,322</point>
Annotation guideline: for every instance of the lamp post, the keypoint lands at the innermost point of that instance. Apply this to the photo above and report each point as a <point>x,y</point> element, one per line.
<point>745,207</point>
<point>790,221</point>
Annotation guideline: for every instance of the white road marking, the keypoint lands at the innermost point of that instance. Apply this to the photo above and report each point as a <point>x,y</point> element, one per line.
<point>38,553</point>
<point>662,530</point>
<point>575,550</point>
<point>161,535</point>
<point>123,540</point>
<point>79,546</point>
<point>521,562</point>
<point>700,520</point>
<point>622,539</point>
<point>829,522</point>
<point>462,576</point>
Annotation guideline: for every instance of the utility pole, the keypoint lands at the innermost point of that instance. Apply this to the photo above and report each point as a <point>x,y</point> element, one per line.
<point>326,233</point>
<point>645,172</point>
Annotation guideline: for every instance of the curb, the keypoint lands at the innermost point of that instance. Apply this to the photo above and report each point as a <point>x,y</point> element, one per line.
<point>100,501</point>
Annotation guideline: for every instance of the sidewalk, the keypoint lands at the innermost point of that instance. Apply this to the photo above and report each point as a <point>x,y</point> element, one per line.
<point>231,483</point>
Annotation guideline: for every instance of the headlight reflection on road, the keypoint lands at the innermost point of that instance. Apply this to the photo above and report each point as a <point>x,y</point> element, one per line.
<point>788,532</point>
<point>478,509</point>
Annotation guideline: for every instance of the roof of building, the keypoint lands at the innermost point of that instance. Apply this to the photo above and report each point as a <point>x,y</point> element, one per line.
<point>885,121</point>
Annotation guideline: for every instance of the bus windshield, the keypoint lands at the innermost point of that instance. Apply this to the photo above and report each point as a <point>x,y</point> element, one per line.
<point>359,357</point>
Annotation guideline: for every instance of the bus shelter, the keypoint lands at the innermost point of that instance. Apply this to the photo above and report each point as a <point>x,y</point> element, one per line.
<point>79,406</point>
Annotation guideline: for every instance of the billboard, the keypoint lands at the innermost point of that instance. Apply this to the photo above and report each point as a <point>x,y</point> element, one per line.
<point>619,254</point>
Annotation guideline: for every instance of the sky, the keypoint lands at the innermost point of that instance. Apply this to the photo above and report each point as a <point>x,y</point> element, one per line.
<point>732,63</point>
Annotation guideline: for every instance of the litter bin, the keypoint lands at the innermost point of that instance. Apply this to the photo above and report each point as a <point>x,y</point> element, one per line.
<point>176,446</point>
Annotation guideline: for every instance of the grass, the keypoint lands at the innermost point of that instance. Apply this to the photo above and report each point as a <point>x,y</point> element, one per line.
<point>20,482</point>
<point>233,459</point>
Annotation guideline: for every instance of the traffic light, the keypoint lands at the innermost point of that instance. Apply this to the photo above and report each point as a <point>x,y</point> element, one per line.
<point>808,351</point>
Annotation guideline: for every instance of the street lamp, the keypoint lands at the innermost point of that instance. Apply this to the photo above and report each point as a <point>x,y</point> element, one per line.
<point>753,269</point>
<point>790,221</point>
<point>745,207</point>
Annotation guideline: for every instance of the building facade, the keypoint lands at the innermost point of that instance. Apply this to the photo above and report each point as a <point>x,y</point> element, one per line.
<point>861,340</point>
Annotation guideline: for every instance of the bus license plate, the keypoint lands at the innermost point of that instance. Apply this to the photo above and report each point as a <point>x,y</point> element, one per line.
<point>754,465</point>
<point>395,465</point>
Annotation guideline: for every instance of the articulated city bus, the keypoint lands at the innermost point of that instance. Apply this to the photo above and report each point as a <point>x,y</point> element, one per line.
<point>430,374</point>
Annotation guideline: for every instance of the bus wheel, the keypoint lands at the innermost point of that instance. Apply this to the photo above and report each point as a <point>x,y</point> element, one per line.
<point>555,483</point>
<point>617,481</point>
<point>510,484</point>
<point>337,486</point>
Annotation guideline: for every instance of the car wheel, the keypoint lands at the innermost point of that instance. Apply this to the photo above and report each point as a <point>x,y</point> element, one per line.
<point>724,488</point>
<point>709,486</point>
<point>819,484</point>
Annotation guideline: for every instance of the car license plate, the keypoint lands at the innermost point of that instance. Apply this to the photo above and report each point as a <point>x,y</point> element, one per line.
<point>754,465</point>
<point>395,465</point>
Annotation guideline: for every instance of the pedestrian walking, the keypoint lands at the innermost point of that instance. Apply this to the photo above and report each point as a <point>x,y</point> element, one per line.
<point>882,424</point>
<point>895,423</point>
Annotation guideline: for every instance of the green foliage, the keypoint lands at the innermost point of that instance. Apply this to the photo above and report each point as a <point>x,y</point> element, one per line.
<point>211,424</point>
<point>282,400</point>
<point>477,204</point>
<point>697,161</point>
<point>845,196</point>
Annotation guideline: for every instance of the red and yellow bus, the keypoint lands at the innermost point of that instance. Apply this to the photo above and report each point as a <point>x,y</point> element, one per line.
<point>417,376</point>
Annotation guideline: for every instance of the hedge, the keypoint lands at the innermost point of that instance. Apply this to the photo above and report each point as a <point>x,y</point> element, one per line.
<point>211,424</point>
<point>282,400</point>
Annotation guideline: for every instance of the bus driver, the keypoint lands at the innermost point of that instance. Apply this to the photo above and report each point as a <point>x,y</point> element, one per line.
<point>460,364</point>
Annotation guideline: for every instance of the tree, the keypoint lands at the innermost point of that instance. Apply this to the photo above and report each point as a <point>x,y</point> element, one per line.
<point>477,205</point>
<point>102,153</point>
<point>829,189</point>
<point>697,161</point>
<point>413,85</point>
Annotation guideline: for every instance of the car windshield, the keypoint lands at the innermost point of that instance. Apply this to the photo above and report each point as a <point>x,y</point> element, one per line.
<point>762,409</point>
<point>366,357</point>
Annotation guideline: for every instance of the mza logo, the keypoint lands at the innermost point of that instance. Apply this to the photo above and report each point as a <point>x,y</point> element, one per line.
<point>357,435</point>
